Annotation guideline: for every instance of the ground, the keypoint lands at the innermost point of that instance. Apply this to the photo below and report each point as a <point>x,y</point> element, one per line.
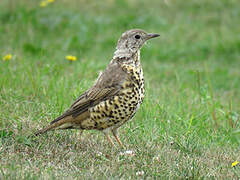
<point>188,125</point>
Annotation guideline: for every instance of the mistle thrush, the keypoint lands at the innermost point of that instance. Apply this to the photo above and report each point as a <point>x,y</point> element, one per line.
<point>116,95</point>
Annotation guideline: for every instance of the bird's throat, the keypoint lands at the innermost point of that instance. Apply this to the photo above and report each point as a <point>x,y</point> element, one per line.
<point>130,57</point>
<point>136,58</point>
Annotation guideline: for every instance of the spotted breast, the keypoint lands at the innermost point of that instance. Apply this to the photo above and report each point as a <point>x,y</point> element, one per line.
<point>117,110</point>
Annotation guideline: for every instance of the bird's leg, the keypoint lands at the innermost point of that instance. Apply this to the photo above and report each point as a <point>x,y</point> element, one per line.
<point>108,138</point>
<point>115,134</point>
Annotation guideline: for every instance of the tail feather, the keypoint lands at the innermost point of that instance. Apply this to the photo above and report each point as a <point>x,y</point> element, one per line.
<point>64,123</point>
<point>54,125</point>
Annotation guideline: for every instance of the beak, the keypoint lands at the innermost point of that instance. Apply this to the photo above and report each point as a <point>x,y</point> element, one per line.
<point>150,36</point>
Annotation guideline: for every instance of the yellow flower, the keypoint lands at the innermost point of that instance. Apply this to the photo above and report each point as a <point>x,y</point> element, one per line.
<point>50,1</point>
<point>71,58</point>
<point>235,163</point>
<point>43,3</point>
<point>7,57</point>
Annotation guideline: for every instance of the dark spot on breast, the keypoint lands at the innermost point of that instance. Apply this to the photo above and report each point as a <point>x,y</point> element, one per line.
<point>110,113</point>
<point>106,106</point>
<point>116,106</point>
<point>104,114</point>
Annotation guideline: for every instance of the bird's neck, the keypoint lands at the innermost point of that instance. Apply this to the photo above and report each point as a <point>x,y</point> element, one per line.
<point>136,58</point>
<point>122,53</point>
<point>131,57</point>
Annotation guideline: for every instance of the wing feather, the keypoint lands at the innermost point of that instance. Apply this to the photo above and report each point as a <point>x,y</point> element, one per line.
<point>108,85</point>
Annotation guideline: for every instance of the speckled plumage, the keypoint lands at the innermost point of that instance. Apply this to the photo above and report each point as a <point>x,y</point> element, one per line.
<point>116,95</point>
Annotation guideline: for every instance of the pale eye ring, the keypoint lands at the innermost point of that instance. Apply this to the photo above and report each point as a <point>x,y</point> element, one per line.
<point>137,36</point>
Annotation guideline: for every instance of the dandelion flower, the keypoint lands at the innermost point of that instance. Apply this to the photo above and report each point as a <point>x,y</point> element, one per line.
<point>50,1</point>
<point>71,58</point>
<point>43,3</point>
<point>235,163</point>
<point>7,57</point>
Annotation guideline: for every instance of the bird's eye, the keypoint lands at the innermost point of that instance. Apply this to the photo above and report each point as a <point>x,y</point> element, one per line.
<point>137,36</point>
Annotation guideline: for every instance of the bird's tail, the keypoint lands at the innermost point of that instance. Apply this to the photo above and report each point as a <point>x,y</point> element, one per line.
<point>64,122</point>
<point>61,124</point>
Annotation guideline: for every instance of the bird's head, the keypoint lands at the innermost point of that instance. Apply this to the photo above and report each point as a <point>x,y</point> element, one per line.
<point>132,40</point>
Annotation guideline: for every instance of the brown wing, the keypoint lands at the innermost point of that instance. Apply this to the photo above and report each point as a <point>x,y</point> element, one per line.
<point>107,85</point>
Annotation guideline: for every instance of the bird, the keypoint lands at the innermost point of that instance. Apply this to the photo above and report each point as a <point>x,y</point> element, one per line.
<point>116,95</point>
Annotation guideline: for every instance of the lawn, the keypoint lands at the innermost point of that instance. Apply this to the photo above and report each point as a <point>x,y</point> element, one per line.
<point>188,126</point>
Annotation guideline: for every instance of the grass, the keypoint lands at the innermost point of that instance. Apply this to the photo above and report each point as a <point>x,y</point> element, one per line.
<point>188,125</point>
